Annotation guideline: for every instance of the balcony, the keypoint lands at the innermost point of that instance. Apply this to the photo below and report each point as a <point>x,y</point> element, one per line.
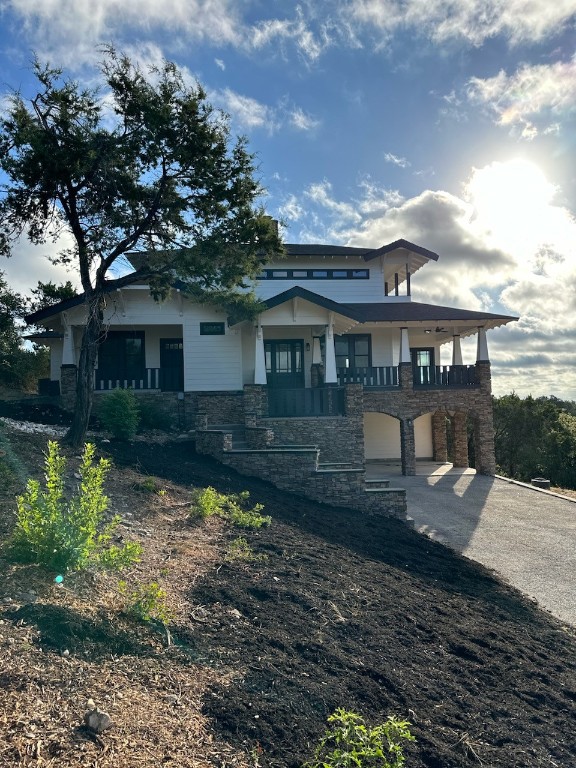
<point>321,401</point>
<point>424,377</point>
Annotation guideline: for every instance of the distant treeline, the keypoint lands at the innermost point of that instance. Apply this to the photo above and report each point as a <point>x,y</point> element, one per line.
<point>536,437</point>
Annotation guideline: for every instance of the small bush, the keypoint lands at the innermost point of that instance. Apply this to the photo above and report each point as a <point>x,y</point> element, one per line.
<point>61,534</point>
<point>229,507</point>
<point>147,602</point>
<point>239,550</point>
<point>349,743</point>
<point>153,416</point>
<point>120,414</point>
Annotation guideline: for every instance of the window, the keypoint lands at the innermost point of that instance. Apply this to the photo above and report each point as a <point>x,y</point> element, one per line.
<point>314,274</point>
<point>353,351</point>
<point>121,355</point>
<point>212,329</point>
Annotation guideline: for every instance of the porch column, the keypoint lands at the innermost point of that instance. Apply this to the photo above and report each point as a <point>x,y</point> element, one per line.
<point>482,348</point>
<point>68,350</point>
<point>460,439</point>
<point>456,350</point>
<point>405,365</point>
<point>407,446</point>
<point>485,460</point>
<point>316,369</point>
<point>259,357</point>
<point>316,351</point>
<point>439,438</point>
<point>330,375</point>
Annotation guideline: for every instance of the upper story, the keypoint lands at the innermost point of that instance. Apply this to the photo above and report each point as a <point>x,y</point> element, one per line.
<point>346,274</point>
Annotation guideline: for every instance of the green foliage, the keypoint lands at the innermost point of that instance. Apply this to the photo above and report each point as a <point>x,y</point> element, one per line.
<point>140,162</point>
<point>240,551</point>
<point>536,437</point>
<point>120,414</point>
<point>153,416</point>
<point>230,507</point>
<point>68,534</point>
<point>350,743</point>
<point>146,602</point>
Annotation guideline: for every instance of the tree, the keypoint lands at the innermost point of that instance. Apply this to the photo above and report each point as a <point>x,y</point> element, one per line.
<point>144,163</point>
<point>46,294</point>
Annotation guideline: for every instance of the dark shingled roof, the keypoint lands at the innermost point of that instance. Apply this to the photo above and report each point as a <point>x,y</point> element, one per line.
<point>414,311</point>
<point>316,249</point>
<point>315,298</point>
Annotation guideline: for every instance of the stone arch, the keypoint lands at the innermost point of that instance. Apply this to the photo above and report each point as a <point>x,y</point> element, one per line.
<point>383,435</point>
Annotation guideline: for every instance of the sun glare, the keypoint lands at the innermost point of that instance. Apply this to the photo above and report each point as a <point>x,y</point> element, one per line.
<point>513,203</point>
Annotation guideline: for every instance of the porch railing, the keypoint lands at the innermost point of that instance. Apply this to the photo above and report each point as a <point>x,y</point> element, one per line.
<point>147,378</point>
<point>445,376</point>
<point>320,401</point>
<point>383,376</point>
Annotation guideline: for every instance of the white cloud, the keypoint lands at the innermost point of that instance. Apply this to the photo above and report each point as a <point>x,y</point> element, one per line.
<point>245,111</point>
<point>401,162</point>
<point>220,64</point>
<point>302,121</point>
<point>540,91</point>
<point>473,21</point>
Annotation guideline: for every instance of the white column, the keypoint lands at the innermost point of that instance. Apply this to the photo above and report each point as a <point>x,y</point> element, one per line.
<point>456,350</point>
<point>68,350</point>
<point>482,349</point>
<point>404,346</point>
<point>316,351</point>
<point>330,375</point>
<point>259,357</point>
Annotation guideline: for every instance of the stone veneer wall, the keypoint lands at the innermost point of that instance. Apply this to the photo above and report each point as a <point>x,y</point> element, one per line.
<point>220,407</point>
<point>406,404</point>
<point>339,438</point>
<point>295,470</point>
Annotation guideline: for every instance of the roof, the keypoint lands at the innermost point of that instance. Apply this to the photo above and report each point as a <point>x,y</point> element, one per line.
<point>315,298</point>
<point>412,311</point>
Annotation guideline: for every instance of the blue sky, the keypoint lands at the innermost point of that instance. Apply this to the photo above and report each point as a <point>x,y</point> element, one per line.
<point>451,123</point>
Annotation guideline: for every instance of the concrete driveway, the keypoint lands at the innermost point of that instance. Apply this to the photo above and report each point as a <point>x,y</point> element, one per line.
<point>527,535</point>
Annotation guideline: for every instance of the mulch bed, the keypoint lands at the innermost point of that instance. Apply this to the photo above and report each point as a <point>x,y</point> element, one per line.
<point>345,611</point>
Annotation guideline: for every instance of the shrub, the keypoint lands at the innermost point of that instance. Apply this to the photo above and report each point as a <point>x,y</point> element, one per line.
<point>154,416</point>
<point>120,414</point>
<point>352,744</point>
<point>230,507</point>
<point>61,534</point>
<point>239,550</point>
<point>147,602</point>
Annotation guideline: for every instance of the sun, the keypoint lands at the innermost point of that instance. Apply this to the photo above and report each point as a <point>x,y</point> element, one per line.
<point>512,201</point>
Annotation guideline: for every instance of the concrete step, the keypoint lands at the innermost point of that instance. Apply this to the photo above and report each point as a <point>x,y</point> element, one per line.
<point>378,482</point>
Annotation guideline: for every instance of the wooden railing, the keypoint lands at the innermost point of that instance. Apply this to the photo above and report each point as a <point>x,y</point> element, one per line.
<point>320,401</point>
<point>383,376</point>
<point>166,379</point>
<point>445,376</point>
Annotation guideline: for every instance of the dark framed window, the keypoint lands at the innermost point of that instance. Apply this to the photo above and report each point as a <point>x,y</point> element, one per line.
<point>212,329</point>
<point>314,274</point>
<point>353,350</point>
<point>122,355</point>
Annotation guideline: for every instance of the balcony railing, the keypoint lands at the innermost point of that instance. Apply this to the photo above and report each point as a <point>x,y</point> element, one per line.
<point>383,376</point>
<point>165,379</point>
<point>434,376</point>
<point>320,401</point>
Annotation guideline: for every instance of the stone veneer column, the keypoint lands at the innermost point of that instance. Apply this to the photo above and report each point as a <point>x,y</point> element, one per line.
<point>68,386</point>
<point>439,437</point>
<point>460,439</point>
<point>484,376</point>
<point>484,442</point>
<point>405,376</point>
<point>256,400</point>
<point>408,446</point>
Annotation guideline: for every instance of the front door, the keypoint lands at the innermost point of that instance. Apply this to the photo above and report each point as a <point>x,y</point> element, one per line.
<point>423,365</point>
<point>284,363</point>
<point>171,365</point>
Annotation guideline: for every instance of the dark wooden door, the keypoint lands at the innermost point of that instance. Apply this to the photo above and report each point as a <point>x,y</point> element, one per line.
<point>284,363</point>
<point>171,365</point>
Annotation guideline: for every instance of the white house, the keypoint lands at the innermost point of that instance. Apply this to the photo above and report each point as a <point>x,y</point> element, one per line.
<point>340,357</point>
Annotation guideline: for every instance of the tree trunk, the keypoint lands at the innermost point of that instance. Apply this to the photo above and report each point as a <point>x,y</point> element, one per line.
<point>76,435</point>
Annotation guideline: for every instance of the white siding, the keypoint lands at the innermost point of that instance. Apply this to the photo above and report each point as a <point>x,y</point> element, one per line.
<point>341,290</point>
<point>211,362</point>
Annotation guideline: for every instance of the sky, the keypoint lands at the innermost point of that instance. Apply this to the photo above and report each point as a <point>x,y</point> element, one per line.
<point>450,123</point>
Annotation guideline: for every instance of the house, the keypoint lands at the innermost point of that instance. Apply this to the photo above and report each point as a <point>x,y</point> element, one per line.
<point>340,359</point>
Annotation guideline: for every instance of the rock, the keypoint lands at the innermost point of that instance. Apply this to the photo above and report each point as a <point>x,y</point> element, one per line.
<point>27,597</point>
<point>97,721</point>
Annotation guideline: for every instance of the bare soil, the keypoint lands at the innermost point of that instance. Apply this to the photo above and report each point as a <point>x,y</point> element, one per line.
<point>345,611</point>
